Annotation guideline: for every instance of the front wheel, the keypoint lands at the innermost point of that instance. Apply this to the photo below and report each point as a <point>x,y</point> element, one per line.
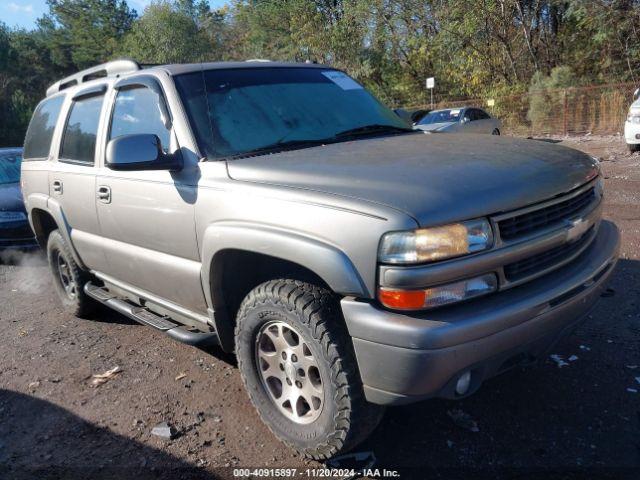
<point>495,132</point>
<point>68,277</point>
<point>633,147</point>
<point>297,364</point>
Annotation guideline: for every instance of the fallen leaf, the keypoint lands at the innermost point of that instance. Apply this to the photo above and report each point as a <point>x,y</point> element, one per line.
<point>463,420</point>
<point>559,361</point>
<point>180,377</point>
<point>101,378</point>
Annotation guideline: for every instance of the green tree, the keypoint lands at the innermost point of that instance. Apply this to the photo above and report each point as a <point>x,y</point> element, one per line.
<point>85,32</point>
<point>166,34</point>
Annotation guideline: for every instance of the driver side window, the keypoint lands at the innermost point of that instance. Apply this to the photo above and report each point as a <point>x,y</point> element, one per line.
<point>136,111</point>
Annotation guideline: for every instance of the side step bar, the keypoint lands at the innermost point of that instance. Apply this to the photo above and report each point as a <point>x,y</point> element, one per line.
<point>147,317</point>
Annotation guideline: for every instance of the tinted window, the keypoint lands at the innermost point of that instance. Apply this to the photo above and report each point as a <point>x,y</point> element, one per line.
<point>138,111</point>
<point>10,167</point>
<point>235,111</point>
<point>38,140</point>
<point>441,116</point>
<point>79,141</point>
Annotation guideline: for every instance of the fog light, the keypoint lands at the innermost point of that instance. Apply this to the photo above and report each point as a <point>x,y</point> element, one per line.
<point>463,383</point>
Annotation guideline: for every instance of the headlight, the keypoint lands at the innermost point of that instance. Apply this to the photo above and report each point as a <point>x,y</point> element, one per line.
<point>436,243</point>
<point>12,217</point>
<point>438,296</point>
<point>633,118</point>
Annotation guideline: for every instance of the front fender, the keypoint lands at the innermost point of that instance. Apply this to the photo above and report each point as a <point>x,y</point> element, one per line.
<point>325,260</point>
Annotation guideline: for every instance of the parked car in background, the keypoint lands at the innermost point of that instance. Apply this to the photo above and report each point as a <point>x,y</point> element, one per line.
<point>459,120</point>
<point>632,125</point>
<point>15,231</point>
<point>418,115</point>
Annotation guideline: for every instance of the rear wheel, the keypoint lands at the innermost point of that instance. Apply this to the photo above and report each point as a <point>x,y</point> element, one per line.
<point>297,363</point>
<point>68,278</point>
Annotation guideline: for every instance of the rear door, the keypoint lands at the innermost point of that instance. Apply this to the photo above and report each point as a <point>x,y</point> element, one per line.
<point>484,123</point>
<point>73,175</point>
<point>147,217</point>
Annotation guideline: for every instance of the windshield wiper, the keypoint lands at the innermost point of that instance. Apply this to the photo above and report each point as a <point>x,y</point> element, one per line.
<point>372,129</point>
<point>278,147</point>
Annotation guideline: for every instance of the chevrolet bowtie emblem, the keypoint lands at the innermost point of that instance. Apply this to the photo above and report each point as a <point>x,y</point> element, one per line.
<point>577,228</point>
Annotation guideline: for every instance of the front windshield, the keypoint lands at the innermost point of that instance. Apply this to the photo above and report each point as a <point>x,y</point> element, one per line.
<point>234,111</point>
<point>10,167</point>
<point>441,116</point>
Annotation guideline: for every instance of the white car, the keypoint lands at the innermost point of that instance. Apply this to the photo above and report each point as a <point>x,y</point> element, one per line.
<point>632,125</point>
<point>459,120</point>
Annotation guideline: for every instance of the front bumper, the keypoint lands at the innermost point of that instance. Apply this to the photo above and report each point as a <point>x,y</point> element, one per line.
<point>403,358</point>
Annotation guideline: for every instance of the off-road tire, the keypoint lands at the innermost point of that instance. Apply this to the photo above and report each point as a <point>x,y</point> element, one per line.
<point>79,304</point>
<point>346,418</point>
<point>633,147</point>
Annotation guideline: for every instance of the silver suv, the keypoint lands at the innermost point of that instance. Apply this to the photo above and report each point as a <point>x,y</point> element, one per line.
<point>281,212</point>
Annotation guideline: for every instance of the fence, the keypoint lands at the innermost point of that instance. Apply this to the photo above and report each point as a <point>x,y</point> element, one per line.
<point>596,109</point>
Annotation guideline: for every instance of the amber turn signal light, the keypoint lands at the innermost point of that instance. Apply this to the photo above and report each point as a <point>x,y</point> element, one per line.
<point>402,299</point>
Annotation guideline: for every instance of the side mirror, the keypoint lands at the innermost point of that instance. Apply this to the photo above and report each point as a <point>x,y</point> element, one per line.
<point>140,152</point>
<point>636,94</point>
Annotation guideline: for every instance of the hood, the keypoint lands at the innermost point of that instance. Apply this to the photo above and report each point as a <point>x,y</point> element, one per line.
<point>434,178</point>
<point>11,198</point>
<point>430,127</point>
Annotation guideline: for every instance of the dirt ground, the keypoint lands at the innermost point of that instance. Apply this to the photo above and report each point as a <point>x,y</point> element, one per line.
<point>579,420</point>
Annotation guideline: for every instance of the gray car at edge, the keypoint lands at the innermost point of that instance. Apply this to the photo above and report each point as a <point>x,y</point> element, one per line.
<point>281,212</point>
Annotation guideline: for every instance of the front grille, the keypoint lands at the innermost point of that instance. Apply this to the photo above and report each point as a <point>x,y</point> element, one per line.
<point>528,223</point>
<point>537,263</point>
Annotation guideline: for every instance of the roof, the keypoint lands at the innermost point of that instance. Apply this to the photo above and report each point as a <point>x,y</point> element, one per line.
<point>123,67</point>
<point>180,68</point>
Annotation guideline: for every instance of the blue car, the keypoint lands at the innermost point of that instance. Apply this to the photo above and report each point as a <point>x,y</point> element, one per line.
<point>15,231</point>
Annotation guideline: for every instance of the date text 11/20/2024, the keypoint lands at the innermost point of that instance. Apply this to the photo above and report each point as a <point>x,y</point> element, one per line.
<point>315,472</point>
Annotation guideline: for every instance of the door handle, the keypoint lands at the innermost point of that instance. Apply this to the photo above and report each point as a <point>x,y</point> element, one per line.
<point>57,186</point>
<point>104,194</point>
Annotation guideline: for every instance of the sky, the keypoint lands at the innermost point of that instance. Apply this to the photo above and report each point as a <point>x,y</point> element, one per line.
<point>24,13</point>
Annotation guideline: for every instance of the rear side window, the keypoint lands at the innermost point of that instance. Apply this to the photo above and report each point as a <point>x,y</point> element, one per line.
<point>136,111</point>
<point>79,140</point>
<point>37,143</point>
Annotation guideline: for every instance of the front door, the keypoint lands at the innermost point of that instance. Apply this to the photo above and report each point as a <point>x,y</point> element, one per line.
<point>147,217</point>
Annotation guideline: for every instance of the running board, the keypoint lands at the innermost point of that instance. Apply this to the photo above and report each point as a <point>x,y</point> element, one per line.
<point>147,317</point>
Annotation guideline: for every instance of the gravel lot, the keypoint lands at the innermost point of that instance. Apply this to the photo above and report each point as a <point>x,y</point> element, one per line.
<point>578,419</point>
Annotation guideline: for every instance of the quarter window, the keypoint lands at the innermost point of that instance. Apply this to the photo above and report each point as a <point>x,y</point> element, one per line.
<point>37,142</point>
<point>137,111</point>
<point>79,141</point>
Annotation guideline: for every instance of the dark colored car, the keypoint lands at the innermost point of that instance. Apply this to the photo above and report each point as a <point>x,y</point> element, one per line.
<point>15,231</point>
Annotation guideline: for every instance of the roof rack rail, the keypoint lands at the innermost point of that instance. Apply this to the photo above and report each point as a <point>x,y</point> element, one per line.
<point>109,69</point>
